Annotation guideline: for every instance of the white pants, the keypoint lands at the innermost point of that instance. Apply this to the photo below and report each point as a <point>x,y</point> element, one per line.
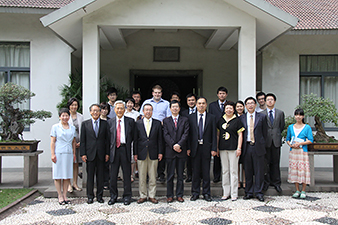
<point>229,173</point>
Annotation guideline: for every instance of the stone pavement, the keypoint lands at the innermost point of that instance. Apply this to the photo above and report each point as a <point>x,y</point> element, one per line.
<point>317,208</point>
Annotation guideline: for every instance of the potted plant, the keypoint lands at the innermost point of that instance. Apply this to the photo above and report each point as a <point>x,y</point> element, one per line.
<point>15,119</point>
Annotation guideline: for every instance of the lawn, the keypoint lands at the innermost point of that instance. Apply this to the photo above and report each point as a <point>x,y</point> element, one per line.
<point>7,196</point>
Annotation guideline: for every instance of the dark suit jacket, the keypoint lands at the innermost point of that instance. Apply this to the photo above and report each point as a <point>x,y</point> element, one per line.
<point>152,144</point>
<point>174,136</point>
<point>215,110</point>
<point>260,133</point>
<point>275,130</point>
<point>129,125</point>
<point>209,134</point>
<point>90,145</point>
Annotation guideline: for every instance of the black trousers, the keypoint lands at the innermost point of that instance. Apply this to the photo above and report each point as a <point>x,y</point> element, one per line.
<point>121,159</point>
<point>106,174</point>
<point>272,170</point>
<point>172,165</point>
<point>95,167</point>
<point>201,164</point>
<point>254,169</point>
<point>189,167</point>
<point>217,168</point>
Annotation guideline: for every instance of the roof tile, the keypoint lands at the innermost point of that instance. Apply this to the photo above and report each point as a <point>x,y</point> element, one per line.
<point>47,4</point>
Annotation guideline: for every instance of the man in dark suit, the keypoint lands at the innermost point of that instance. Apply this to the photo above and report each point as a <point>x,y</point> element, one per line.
<point>121,137</point>
<point>276,124</point>
<point>202,144</point>
<point>254,136</point>
<point>191,102</point>
<point>148,150</point>
<point>94,150</point>
<point>217,109</point>
<point>175,133</point>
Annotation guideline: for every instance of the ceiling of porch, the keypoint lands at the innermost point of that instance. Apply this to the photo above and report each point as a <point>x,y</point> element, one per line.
<point>219,39</point>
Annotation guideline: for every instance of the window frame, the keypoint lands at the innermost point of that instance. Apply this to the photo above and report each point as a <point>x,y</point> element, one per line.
<point>322,76</point>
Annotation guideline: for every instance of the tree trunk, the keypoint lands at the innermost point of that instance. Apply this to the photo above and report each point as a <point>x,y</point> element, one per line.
<point>320,136</point>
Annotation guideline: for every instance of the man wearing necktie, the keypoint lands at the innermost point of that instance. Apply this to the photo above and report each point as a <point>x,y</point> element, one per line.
<point>276,123</point>
<point>121,137</point>
<point>217,109</point>
<point>202,144</point>
<point>175,133</point>
<point>148,150</point>
<point>94,151</point>
<point>191,102</point>
<point>253,151</point>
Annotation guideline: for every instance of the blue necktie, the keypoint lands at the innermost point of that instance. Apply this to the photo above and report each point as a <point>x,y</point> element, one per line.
<point>200,127</point>
<point>96,128</point>
<point>271,117</point>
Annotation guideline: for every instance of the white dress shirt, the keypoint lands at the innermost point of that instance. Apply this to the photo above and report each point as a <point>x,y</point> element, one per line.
<point>123,133</point>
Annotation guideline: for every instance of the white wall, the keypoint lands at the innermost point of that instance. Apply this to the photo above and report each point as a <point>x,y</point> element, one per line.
<point>50,67</point>
<point>281,74</point>
<point>219,67</point>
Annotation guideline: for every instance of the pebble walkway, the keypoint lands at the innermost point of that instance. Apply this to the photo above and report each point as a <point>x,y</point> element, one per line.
<point>317,208</point>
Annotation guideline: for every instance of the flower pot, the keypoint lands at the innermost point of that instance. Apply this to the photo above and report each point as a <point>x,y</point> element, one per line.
<point>315,147</point>
<point>23,146</point>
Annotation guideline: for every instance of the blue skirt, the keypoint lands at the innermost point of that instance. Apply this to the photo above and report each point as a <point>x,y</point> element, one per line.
<point>63,168</point>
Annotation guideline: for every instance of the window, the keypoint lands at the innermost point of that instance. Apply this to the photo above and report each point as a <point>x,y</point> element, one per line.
<point>14,66</point>
<point>319,75</point>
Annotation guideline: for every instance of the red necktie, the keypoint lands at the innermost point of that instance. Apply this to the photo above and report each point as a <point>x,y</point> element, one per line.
<point>175,119</point>
<point>118,135</point>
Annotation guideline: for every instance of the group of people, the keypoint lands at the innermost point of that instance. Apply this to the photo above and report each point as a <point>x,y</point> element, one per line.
<point>159,135</point>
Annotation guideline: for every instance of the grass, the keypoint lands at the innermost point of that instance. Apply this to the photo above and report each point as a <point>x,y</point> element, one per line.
<point>7,196</point>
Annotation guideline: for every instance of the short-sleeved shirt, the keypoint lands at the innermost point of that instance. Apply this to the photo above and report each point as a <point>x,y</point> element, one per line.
<point>229,130</point>
<point>64,138</point>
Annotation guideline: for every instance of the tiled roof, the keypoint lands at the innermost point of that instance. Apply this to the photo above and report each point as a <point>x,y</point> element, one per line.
<point>312,14</point>
<point>47,4</point>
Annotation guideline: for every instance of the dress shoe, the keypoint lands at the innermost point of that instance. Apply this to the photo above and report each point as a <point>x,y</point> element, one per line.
<point>77,188</point>
<point>112,201</point>
<point>246,197</point>
<point>194,198</point>
<point>278,189</point>
<point>207,198</point>
<point>141,200</point>
<point>100,200</point>
<point>180,199</point>
<point>90,201</point>
<point>80,175</point>
<point>105,188</point>
<point>188,180</point>
<point>153,200</point>
<point>265,187</point>
<point>216,180</point>
<point>170,200</point>
<point>126,201</point>
<point>162,180</point>
<point>260,198</point>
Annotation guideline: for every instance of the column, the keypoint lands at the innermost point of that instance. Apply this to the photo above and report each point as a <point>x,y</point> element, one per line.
<point>247,60</point>
<point>90,67</point>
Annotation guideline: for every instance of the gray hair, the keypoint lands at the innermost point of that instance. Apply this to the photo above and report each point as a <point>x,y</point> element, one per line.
<point>120,102</point>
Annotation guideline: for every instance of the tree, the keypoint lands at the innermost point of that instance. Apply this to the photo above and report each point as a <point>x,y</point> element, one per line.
<point>15,119</point>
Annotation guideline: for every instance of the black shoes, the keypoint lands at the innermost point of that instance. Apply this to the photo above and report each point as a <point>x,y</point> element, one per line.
<point>194,198</point>
<point>188,180</point>
<point>90,201</point>
<point>247,197</point>
<point>278,189</point>
<point>162,180</point>
<point>207,198</point>
<point>216,180</point>
<point>100,200</point>
<point>126,201</point>
<point>260,198</point>
<point>112,201</point>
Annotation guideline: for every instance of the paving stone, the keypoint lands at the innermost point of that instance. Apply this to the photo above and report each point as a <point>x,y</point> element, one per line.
<point>216,209</point>
<point>45,222</point>
<point>61,212</point>
<point>327,220</point>
<point>114,210</point>
<point>215,221</point>
<point>158,222</point>
<point>99,222</point>
<point>164,210</point>
<point>320,208</point>
<point>274,221</point>
<point>267,208</point>
<point>310,198</point>
<point>35,202</point>
<point>77,201</point>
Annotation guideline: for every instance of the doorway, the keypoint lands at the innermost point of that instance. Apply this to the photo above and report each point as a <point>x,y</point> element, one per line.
<point>181,81</point>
